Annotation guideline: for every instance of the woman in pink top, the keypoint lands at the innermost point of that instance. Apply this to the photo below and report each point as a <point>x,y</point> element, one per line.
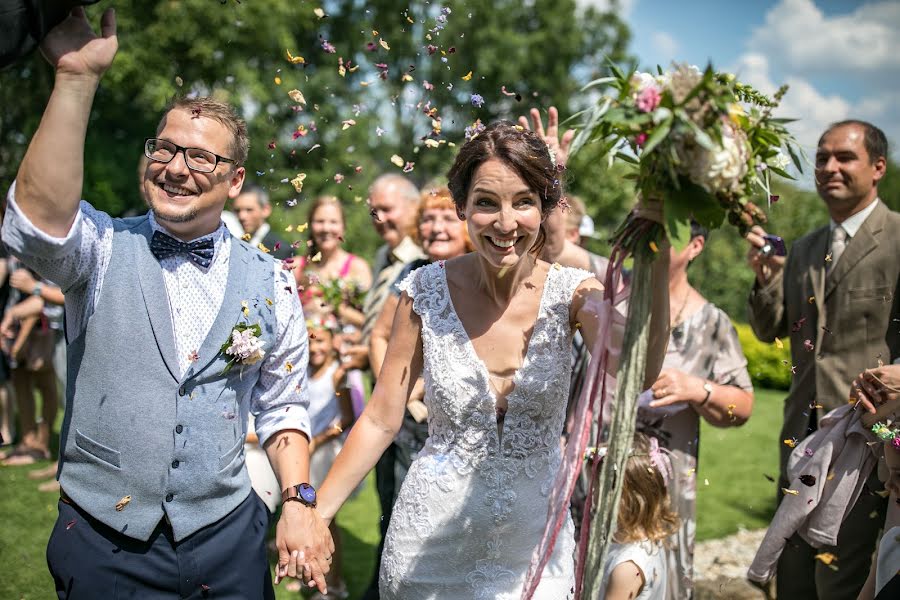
<point>327,262</point>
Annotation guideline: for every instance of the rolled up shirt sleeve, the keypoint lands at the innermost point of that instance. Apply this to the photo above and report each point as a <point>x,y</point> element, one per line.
<point>280,399</point>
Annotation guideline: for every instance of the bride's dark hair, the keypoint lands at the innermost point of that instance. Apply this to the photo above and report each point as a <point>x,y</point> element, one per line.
<point>518,148</point>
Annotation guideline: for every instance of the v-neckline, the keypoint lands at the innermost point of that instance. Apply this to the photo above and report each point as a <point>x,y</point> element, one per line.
<point>471,347</point>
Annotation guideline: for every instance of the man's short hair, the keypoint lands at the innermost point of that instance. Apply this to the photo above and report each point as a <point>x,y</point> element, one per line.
<point>262,196</point>
<point>220,112</point>
<point>405,188</point>
<point>873,139</point>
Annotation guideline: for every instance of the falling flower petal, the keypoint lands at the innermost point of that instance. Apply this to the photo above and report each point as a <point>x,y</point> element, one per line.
<point>297,182</point>
<point>121,504</point>
<point>397,160</point>
<point>297,96</point>
<point>294,60</point>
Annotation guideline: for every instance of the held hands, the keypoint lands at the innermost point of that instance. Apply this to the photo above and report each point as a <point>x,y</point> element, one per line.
<point>674,386</point>
<point>304,545</point>
<point>765,267</point>
<point>560,146</point>
<point>74,49</point>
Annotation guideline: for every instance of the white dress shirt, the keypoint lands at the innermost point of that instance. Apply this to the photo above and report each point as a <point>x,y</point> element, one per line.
<point>78,263</point>
<point>852,223</point>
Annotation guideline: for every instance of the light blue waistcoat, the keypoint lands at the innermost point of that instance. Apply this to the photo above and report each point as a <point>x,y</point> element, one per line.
<point>133,426</point>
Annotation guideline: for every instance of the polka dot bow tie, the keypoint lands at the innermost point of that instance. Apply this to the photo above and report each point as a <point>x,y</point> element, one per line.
<point>201,252</point>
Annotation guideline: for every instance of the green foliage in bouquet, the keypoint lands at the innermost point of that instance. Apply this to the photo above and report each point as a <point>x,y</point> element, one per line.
<point>339,291</point>
<point>703,143</point>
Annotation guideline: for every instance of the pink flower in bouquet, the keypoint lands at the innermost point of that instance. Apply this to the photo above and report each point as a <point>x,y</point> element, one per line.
<point>648,99</point>
<point>639,139</point>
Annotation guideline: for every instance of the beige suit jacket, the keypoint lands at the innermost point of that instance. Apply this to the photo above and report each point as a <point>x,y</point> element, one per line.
<point>838,325</point>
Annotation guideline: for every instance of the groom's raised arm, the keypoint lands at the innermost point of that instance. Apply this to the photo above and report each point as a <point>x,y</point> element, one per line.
<point>49,181</point>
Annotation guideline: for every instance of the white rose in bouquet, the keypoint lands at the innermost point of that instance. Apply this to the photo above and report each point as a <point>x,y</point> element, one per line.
<point>720,169</point>
<point>641,81</point>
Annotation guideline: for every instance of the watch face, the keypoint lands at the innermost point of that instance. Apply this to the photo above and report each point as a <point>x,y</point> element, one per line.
<point>307,493</point>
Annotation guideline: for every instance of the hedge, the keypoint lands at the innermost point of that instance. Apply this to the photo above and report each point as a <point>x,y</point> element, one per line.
<point>769,365</point>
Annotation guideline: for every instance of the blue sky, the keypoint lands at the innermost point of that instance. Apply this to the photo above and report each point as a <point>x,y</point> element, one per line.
<point>841,58</point>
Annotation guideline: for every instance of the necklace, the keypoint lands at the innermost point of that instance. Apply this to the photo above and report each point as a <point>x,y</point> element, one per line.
<point>677,321</point>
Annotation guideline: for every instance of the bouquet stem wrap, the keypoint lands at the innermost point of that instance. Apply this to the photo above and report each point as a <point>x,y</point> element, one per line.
<point>632,239</point>
<point>600,514</point>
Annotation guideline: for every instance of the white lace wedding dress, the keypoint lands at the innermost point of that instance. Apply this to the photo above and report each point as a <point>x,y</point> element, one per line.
<point>474,504</point>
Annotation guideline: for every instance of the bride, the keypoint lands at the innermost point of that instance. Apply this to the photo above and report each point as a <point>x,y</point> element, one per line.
<point>490,332</point>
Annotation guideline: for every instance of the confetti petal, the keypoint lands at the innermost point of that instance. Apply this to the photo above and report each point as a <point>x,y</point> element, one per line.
<point>121,504</point>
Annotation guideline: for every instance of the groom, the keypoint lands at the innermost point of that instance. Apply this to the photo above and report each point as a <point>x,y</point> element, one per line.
<point>175,331</point>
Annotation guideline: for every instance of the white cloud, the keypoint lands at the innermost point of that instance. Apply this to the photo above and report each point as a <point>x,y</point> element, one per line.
<point>665,45</point>
<point>622,7</point>
<point>800,36</point>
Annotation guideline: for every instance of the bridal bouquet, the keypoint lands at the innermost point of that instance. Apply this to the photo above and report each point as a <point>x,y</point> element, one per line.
<point>703,142</point>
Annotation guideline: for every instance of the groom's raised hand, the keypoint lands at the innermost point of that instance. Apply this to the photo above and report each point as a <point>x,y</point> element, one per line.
<point>304,546</point>
<point>75,50</point>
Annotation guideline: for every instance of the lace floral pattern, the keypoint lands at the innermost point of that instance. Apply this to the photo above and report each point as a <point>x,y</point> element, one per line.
<point>473,505</point>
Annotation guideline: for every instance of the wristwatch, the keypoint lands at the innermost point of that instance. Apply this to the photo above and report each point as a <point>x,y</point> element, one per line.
<point>36,291</point>
<point>304,494</point>
<point>708,387</point>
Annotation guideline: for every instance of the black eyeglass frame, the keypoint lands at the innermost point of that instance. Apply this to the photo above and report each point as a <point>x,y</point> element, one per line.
<point>184,150</point>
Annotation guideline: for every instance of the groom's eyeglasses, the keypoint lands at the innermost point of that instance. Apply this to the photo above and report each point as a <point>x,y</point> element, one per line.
<point>196,159</point>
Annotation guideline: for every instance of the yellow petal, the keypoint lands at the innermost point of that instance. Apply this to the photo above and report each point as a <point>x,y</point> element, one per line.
<point>319,13</point>
<point>121,504</point>
<point>779,344</point>
<point>294,60</point>
<point>467,76</point>
<point>297,182</point>
<point>384,44</point>
<point>277,80</point>
<point>246,237</point>
<point>398,161</point>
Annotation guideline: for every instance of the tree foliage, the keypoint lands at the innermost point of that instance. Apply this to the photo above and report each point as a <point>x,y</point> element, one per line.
<point>395,93</point>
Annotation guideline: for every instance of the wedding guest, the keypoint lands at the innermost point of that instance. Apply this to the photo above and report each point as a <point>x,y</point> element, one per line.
<point>636,566</point>
<point>151,462</point>
<point>31,346</point>
<point>253,209</point>
<point>393,200</point>
<point>327,264</point>
<point>490,331</point>
<point>705,377</point>
<point>835,296</point>
<point>331,414</point>
<point>878,390</point>
<point>7,416</point>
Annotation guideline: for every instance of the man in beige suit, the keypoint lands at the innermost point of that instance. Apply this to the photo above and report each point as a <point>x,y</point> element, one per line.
<point>835,296</point>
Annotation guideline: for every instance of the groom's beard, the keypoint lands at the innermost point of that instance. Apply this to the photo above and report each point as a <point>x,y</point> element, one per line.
<point>162,215</point>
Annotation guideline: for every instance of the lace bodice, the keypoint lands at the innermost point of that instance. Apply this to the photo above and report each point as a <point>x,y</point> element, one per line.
<point>506,473</point>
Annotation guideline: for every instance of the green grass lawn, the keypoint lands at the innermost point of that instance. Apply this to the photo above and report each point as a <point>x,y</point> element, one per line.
<point>732,492</point>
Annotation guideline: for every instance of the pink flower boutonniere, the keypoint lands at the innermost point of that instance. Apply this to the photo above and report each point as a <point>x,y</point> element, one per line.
<point>244,346</point>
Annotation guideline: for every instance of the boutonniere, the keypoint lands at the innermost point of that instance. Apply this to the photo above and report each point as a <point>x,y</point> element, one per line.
<point>244,346</point>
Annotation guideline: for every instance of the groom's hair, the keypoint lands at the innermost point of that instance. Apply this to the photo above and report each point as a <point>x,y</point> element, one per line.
<point>221,112</point>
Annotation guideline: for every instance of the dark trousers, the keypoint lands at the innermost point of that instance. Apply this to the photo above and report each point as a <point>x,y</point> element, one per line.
<point>802,577</point>
<point>226,559</point>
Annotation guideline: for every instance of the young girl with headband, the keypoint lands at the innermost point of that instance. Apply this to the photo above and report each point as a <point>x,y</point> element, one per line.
<point>636,565</point>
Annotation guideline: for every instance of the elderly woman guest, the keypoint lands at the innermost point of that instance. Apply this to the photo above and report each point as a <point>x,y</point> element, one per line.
<point>489,331</point>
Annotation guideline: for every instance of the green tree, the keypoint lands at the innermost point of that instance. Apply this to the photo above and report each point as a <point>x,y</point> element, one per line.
<point>353,121</point>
